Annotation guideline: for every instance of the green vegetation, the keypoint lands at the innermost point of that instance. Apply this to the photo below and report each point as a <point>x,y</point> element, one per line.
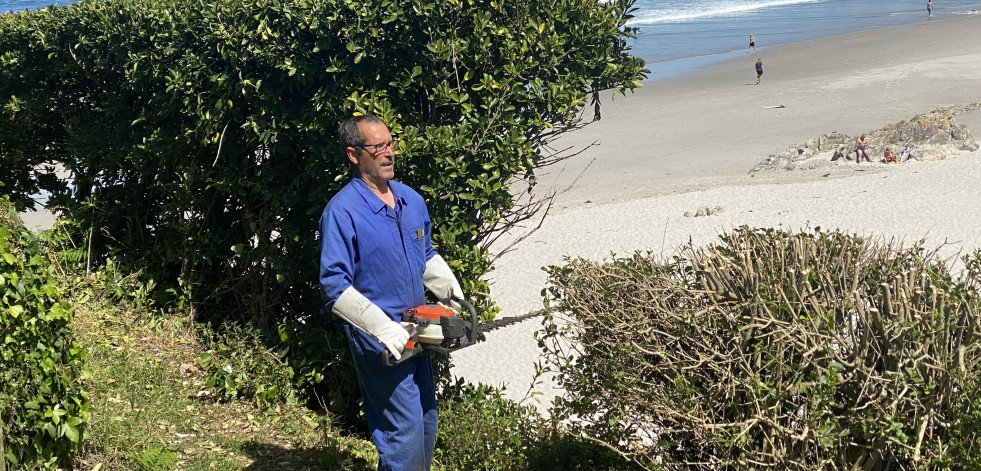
<point>773,349</point>
<point>149,405</point>
<point>479,429</point>
<point>44,411</point>
<point>741,352</point>
<point>198,142</point>
<point>152,408</point>
<point>199,139</point>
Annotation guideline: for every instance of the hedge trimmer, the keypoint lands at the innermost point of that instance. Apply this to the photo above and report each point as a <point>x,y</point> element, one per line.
<point>437,328</point>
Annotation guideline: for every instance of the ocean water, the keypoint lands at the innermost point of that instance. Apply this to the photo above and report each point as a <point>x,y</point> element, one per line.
<point>679,36</point>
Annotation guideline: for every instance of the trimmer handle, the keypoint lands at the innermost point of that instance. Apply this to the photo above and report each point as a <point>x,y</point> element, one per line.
<point>412,348</point>
<point>474,321</point>
<point>471,334</point>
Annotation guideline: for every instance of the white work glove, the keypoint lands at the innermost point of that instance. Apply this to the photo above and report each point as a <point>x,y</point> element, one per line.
<point>439,279</point>
<point>363,314</point>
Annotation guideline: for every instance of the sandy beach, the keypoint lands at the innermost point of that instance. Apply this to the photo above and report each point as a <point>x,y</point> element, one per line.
<point>675,146</point>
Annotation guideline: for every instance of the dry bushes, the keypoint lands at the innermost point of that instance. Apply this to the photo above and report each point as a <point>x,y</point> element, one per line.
<point>772,350</point>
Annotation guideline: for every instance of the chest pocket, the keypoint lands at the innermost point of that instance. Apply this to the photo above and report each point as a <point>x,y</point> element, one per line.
<point>416,247</point>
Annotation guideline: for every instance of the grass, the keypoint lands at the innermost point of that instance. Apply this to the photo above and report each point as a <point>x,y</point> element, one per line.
<point>152,411</point>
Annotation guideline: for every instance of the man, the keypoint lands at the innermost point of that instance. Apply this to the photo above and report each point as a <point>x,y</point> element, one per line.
<point>862,149</point>
<point>759,69</point>
<point>376,257</point>
<point>929,8</point>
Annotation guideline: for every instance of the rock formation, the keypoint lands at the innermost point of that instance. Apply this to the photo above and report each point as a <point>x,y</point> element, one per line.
<point>930,136</point>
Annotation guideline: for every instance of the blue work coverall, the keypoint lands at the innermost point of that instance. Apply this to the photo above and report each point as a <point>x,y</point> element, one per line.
<point>382,252</point>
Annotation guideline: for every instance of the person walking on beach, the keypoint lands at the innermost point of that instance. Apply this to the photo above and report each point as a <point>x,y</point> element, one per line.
<point>376,259</point>
<point>929,8</point>
<point>752,44</point>
<point>759,69</point>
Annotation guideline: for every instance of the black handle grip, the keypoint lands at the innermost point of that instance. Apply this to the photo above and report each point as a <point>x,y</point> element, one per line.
<point>412,348</point>
<point>408,352</point>
<point>474,321</point>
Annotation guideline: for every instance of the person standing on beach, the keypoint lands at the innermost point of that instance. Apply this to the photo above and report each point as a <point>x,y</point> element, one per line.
<point>376,260</point>
<point>759,69</point>
<point>752,44</point>
<point>929,8</point>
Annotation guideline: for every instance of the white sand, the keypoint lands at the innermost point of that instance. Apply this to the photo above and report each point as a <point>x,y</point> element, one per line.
<point>677,146</point>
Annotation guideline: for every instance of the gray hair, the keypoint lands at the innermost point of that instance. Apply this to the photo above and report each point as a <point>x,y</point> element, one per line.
<point>348,134</point>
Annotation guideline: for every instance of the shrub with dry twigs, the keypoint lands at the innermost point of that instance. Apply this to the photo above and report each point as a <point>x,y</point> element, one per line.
<point>772,350</point>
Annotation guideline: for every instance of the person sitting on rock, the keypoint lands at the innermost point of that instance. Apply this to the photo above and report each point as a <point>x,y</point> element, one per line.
<point>862,149</point>
<point>890,157</point>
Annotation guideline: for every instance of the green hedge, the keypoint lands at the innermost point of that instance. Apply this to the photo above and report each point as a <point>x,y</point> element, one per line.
<point>44,411</point>
<point>200,134</point>
<point>773,350</point>
<point>480,429</point>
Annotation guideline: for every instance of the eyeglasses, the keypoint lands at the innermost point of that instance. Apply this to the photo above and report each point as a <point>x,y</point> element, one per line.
<point>376,149</point>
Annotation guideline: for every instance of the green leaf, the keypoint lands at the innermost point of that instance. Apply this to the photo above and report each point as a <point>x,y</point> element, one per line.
<point>204,360</point>
<point>70,432</point>
<point>50,429</point>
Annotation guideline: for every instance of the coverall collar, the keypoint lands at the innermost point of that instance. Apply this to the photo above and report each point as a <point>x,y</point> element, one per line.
<point>372,200</point>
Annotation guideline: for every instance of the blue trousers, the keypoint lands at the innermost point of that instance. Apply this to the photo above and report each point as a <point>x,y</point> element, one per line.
<point>399,403</point>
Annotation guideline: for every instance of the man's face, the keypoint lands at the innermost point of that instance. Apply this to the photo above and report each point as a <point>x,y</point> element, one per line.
<point>376,161</point>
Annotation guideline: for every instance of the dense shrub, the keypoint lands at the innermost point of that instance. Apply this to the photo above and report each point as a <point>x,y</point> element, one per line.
<point>773,350</point>
<point>481,429</point>
<point>44,410</point>
<point>199,136</point>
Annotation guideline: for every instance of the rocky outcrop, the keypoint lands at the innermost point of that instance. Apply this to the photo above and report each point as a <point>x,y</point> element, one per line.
<point>705,211</point>
<point>930,136</point>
